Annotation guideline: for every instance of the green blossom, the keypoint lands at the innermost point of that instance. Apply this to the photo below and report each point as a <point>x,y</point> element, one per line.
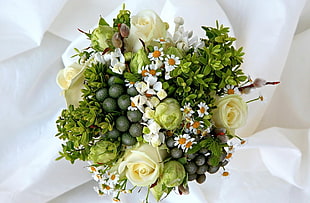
<point>168,114</point>
<point>139,60</point>
<point>173,174</point>
<point>103,152</point>
<point>101,37</point>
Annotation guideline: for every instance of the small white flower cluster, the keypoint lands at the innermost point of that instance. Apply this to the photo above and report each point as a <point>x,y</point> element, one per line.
<point>192,126</point>
<point>185,39</point>
<point>108,183</point>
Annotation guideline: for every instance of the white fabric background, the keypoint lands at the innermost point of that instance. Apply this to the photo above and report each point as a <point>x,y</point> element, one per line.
<point>273,167</point>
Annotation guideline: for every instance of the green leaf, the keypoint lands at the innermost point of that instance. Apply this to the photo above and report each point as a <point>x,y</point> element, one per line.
<point>102,21</point>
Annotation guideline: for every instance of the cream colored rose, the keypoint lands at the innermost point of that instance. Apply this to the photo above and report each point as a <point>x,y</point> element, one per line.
<point>147,26</point>
<point>231,112</point>
<point>65,76</point>
<point>70,79</point>
<point>143,165</point>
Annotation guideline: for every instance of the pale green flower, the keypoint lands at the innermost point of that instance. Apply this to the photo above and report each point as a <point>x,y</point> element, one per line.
<point>103,152</point>
<point>101,37</point>
<point>168,114</point>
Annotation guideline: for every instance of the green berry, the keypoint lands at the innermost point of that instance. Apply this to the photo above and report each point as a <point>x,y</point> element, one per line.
<point>176,153</point>
<point>170,142</point>
<point>123,102</point>
<point>113,134</point>
<point>201,178</point>
<point>102,94</point>
<point>191,167</point>
<point>213,169</point>
<point>128,140</point>
<point>116,90</point>
<point>200,160</point>
<point>122,124</point>
<point>115,80</point>
<point>132,91</point>
<point>135,130</point>
<point>202,169</point>
<point>109,105</point>
<point>134,116</point>
<point>192,177</point>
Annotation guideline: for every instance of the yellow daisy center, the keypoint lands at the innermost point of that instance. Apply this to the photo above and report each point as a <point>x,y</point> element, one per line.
<point>189,144</point>
<point>196,124</point>
<point>171,62</point>
<point>143,73</point>
<point>156,54</point>
<point>230,91</point>
<point>202,109</point>
<point>182,140</point>
<point>152,72</point>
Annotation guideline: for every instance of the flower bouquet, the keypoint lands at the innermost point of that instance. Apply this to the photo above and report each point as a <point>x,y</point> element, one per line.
<point>146,108</point>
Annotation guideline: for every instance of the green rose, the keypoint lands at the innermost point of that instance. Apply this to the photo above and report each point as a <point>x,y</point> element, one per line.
<point>103,152</point>
<point>168,114</point>
<point>101,37</point>
<point>173,174</point>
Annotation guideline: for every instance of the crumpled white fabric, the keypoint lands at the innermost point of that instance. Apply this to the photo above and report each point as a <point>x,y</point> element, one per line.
<point>37,39</point>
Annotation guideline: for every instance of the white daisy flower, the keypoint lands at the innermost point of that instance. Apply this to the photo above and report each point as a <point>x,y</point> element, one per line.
<point>171,62</point>
<point>196,126</point>
<point>187,110</point>
<point>157,54</point>
<point>203,109</point>
<point>129,84</point>
<point>113,178</point>
<point>231,89</point>
<point>152,71</point>
<point>185,142</point>
<point>144,71</point>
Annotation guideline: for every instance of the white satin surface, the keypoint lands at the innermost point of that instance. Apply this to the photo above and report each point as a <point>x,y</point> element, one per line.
<point>36,41</point>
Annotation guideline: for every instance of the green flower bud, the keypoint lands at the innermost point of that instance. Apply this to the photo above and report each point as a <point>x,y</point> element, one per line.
<point>168,114</point>
<point>101,37</point>
<point>173,174</point>
<point>139,60</point>
<point>103,152</point>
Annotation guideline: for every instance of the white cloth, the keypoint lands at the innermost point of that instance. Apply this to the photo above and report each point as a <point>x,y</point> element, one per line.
<point>272,167</point>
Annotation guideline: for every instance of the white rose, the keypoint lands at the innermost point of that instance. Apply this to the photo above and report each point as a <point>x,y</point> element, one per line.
<point>71,79</point>
<point>143,165</point>
<point>231,112</point>
<point>65,76</point>
<point>147,26</point>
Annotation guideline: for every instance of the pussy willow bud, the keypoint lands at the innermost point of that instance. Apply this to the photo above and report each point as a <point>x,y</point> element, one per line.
<point>183,189</point>
<point>124,30</point>
<point>258,82</point>
<point>117,40</point>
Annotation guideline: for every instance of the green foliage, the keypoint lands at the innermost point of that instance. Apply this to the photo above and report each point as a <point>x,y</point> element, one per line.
<point>81,127</point>
<point>122,17</point>
<point>208,70</point>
